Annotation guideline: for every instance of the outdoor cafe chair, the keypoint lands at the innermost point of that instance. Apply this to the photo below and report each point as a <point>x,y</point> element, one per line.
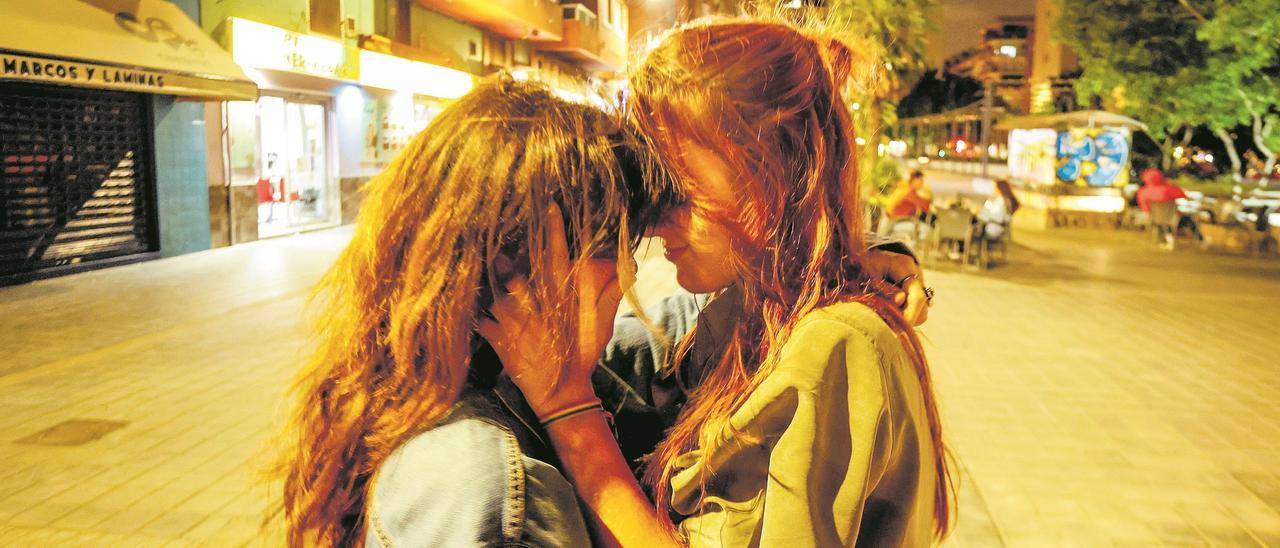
<point>907,229</point>
<point>953,233</point>
<point>987,246</point>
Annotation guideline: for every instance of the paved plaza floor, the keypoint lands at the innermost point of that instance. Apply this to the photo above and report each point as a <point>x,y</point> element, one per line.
<point>1095,392</point>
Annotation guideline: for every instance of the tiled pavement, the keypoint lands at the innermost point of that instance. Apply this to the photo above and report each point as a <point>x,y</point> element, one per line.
<point>1095,392</point>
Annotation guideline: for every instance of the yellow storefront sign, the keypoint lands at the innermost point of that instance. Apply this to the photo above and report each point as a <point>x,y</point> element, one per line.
<point>389,72</point>
<point>263,46</point>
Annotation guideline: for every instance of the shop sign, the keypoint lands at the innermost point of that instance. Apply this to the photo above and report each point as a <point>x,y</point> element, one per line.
<point>75,73</point>
<point>395,73</point>
<point>257,45</point>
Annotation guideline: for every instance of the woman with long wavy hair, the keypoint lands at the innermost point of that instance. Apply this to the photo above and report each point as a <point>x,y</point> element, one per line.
<point>806,414</point>
<point>406,433</point>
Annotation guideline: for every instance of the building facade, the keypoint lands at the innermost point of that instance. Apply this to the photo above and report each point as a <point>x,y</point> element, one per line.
<point>651,18</point>
<point>346,84</point>
<point>151,128</point>
<point>1002,60</point>
<point>1054,66</point>
<point>102,153</point>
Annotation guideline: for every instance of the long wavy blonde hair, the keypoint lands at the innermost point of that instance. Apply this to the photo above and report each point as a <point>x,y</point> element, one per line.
<point>396,313</point>
<point>767,99</point>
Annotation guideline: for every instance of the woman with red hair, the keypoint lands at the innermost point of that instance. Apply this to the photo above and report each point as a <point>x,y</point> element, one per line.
<point>804,414</point>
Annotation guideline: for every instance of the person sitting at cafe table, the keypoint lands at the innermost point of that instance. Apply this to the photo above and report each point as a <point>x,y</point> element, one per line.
<point>997,212</point>
<point>910,198</point>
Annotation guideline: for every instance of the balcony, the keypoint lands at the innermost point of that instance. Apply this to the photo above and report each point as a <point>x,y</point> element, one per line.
<point>533,20</point>
<point>589,41</point>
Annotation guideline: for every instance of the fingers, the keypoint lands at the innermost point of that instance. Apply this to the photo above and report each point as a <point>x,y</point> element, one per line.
<point>557,246</point>
<point>513,307</point>
<point>521,294</point>
<point>917,305</point>
<point>902,270</point>
<point>491,332</point>
<point>875,264</point>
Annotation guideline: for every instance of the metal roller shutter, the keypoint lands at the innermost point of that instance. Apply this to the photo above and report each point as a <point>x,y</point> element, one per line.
<point>76,184</point>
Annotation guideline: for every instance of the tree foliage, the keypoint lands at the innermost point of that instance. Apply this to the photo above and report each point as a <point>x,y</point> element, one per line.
<point>892,36</point>
<point>1182,64</point>
<point>1243,37</point>
<point>939,91</point>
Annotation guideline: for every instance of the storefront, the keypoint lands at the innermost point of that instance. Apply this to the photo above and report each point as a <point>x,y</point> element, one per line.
<point>85,88</point>
<point>278,151</point>
<point>398,98</point>
<point>279,148</point>
<point>329,117</point>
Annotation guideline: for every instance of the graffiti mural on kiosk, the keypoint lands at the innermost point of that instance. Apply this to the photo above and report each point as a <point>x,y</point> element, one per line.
<point>1093,156</point>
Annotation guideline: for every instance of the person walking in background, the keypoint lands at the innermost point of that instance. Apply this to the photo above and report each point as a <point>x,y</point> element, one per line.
<point>1166,219</point>
<point>1156,189</point>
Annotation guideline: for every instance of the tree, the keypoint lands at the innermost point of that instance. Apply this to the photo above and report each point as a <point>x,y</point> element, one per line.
<point>892,34</point>
<point>1203,62</point>
<point>939,91</point>
<point>1140,57</point>
<point>1243,37</point>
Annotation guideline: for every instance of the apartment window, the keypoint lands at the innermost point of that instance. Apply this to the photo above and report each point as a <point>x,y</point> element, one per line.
<point>326,17</point>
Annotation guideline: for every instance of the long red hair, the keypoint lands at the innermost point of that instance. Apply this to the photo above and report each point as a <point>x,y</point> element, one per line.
<point>396,312</point>
<point>766,98</point>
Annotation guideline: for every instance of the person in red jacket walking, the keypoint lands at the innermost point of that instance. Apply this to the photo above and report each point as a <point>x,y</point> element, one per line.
<point>1157,189</point>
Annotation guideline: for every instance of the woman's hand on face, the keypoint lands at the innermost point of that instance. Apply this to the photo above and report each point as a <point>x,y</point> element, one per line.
<point>897,268</point>
<point>534,343</point>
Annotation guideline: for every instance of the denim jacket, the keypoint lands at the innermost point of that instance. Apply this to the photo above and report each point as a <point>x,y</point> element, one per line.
<point>487,474</point>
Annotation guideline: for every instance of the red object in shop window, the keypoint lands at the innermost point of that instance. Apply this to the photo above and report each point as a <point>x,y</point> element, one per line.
<point>265,191</point>
<point>267,188</point>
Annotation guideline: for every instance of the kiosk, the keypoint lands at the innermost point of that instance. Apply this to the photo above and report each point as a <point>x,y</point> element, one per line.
<point>1071,167</point>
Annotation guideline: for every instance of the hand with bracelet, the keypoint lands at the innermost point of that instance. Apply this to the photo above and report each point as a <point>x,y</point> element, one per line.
<point>549,339</point>
<point>550,354</point>
<point>903,271</point>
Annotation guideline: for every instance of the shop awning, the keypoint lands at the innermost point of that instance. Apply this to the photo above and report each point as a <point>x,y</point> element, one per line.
<point>135,45</point>
<point>1081,118</point>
